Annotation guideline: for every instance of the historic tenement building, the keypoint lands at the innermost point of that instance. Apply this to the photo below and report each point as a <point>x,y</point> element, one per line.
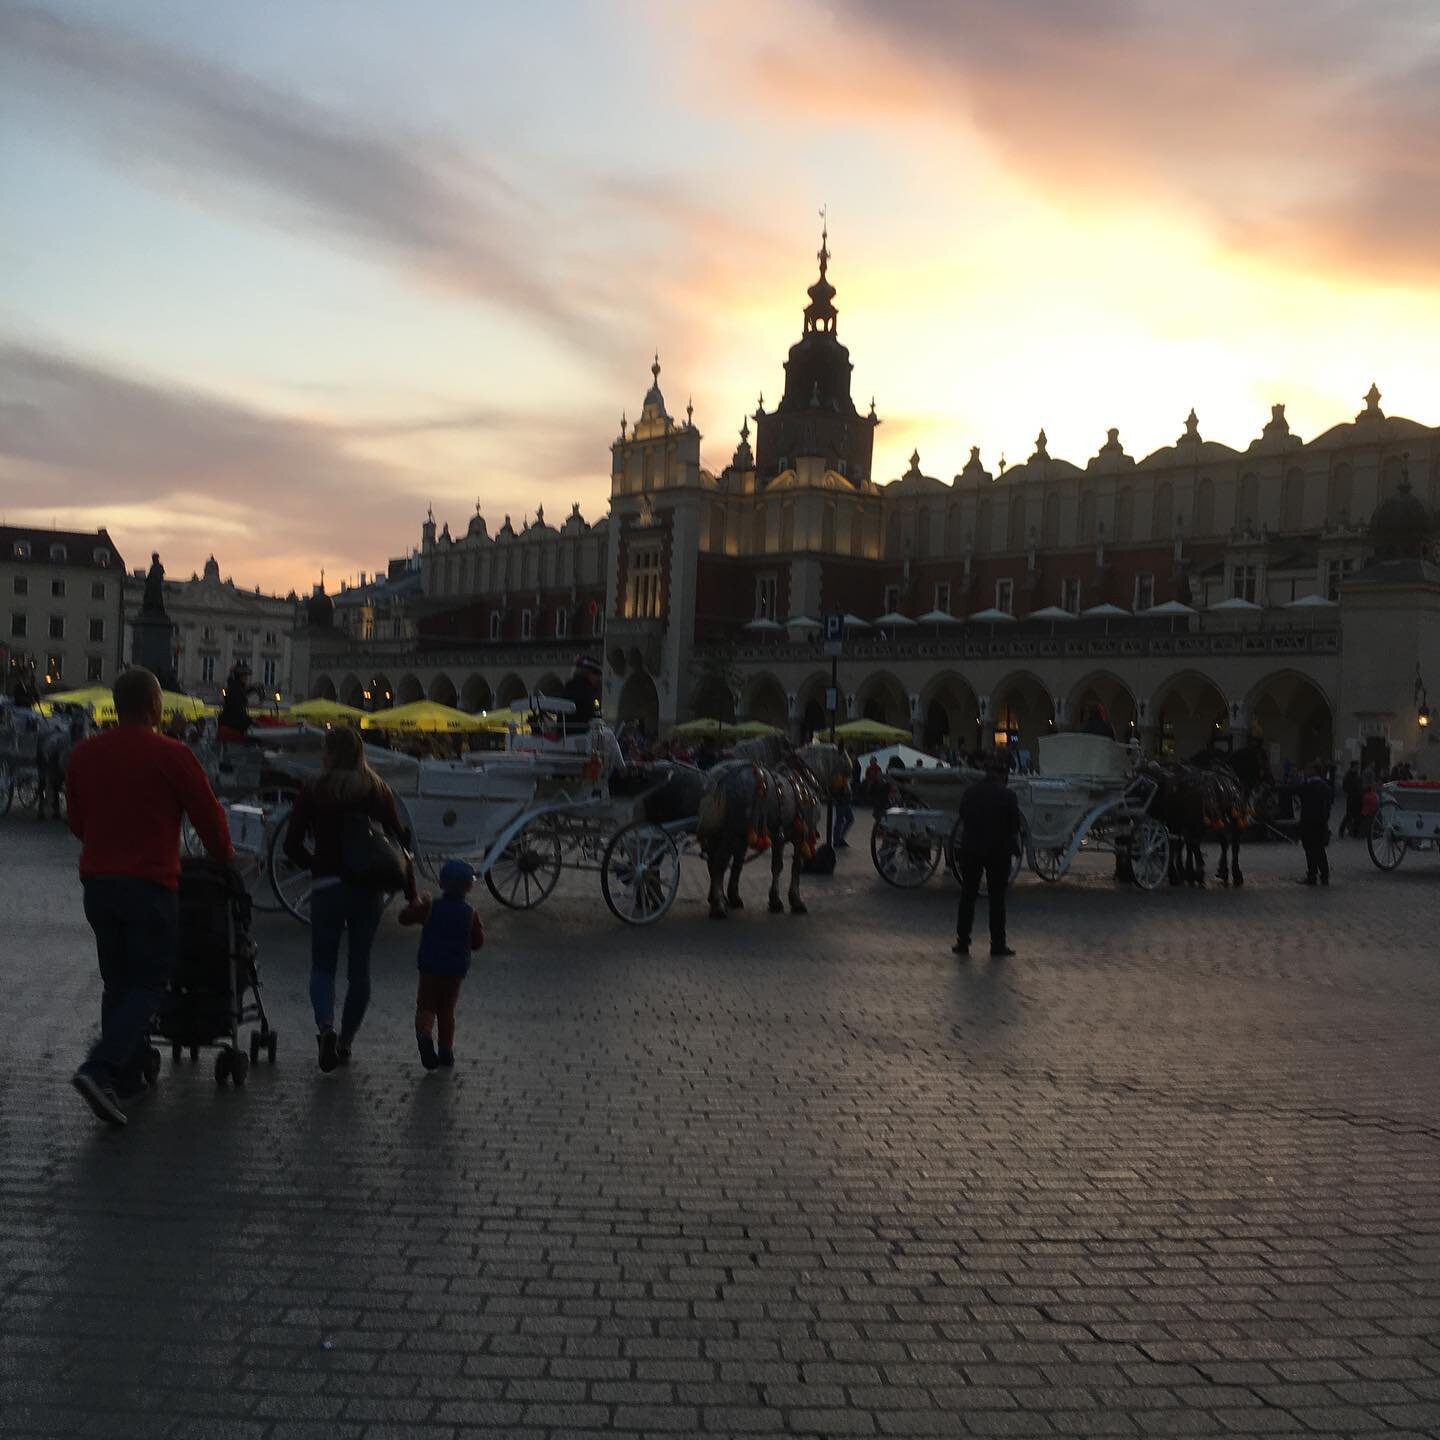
<point>1284,588</point>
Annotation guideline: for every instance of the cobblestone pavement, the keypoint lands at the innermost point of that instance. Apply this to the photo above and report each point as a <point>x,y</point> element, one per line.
<point>1175,1169</point>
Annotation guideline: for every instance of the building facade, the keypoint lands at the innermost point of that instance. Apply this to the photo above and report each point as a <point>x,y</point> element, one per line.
<point>62,592</point>
<point>1202,589</point>
<point>217,623</point>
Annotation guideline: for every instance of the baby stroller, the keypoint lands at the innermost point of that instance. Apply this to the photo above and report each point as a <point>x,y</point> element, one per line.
<point>216,988</point>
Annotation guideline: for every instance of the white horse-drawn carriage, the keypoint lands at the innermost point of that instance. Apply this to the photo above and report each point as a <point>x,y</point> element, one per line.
<point>519,816</point>
<point>1088,796</point>
<point>19,756</point>
<point>1408,819</point>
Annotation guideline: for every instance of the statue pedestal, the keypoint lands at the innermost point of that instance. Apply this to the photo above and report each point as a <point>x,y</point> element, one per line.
<point>153,646</point>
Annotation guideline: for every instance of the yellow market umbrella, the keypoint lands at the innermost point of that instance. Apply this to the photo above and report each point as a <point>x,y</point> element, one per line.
<point>698,729</point>
<point>868,731</point>
<point>326,712</point>
<point>97,699</point>
<point>423,717</point>
<point>187,707</point>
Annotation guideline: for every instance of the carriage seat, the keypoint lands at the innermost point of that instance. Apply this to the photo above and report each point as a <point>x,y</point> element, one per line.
<point>1090,756</point>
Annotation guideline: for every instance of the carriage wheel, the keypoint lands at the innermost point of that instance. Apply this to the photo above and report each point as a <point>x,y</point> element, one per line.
<point>25,791</point>
<point>528,868</point>
<point>1386,845</point>
<point>1149,853</point>
<point>1048,864</point>
<point>7,786</point>
<point>640,873</point>
<point>290,884</point>
<point>904,861</point>
<point>952,852</point>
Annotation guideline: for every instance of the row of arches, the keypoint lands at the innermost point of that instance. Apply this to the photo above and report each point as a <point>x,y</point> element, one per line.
<point>1179,717</point>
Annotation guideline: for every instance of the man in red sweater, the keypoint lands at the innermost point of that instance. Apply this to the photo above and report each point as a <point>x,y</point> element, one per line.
<point>125,792</point>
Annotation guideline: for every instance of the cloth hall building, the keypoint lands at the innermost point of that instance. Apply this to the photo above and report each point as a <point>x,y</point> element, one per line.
<point>1286,588</point>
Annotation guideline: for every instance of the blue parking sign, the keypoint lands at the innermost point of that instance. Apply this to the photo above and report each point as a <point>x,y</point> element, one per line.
<point>834,631</point>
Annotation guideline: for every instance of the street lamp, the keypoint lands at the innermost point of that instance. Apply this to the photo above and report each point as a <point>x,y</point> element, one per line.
<point>1422,701</point>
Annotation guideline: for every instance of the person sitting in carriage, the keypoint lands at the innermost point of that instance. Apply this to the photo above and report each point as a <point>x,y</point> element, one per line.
<point>234,723</point>
<point>582,690</point>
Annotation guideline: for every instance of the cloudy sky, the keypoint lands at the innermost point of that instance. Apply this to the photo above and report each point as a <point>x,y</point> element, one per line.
<point>274,276</point>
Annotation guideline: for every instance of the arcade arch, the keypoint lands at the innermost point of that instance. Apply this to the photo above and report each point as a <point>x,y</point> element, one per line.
<point>322,688</point>
<point>712,699</point>
<point>408,691</point>
<point>810,706</point>
<point>442,690</point>
<point>949,713</point>
<point>475,694</point>
<point>511,690</point>
<point>639,703</point>
<point>1294,717</point>
<point>763,699</point>
<point>882,697</point>
<point>352,692</point>
<point>379,694</point>
<point>1022,707</point>
<point>1114,697</point>
<point>1189,711</point>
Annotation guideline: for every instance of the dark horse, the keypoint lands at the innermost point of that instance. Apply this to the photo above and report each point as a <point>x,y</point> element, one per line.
<point>1194,798</point>
<point>58,737</point>
<point>1250,769</point>
<point>766,796</point>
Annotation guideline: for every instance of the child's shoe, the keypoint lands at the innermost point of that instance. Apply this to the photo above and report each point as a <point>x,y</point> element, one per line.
<point>427,1050</point>
<point>447,1059</point>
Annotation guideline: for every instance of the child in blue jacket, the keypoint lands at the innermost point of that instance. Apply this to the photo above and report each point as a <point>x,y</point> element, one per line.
<point>452,933</point>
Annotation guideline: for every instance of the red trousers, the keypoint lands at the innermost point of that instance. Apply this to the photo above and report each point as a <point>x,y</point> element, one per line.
<point>435,1000</point>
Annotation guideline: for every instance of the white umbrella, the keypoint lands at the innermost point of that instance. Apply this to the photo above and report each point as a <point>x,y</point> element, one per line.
<point>939,617</point>
<point>894,617</point>
<point>992,615</point>
<point>1170,610</point>
<point>803,622</point>
<point>854,622</point>
<point>1311,602</point>
<point>764,625</point>
<point>1104,611</point>
<point>1051,612</point>
<point>1234,603</point>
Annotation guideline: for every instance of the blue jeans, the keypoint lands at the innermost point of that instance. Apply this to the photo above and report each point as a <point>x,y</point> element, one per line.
<point>137,939</point>
<point>335,910</point>
<point>844,819</point>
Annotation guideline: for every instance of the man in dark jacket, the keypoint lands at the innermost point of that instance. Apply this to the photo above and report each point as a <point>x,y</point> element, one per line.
<point>989,841</point>
<point>582,690</point>
<point>1354,796</point>
<point>1315,798</point>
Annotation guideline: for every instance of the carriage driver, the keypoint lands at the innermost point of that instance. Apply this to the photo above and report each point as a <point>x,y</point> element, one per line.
<point>582,690</point>
<point>233,725</point>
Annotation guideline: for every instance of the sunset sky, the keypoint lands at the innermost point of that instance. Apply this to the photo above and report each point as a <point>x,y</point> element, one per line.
<point>276,275</point>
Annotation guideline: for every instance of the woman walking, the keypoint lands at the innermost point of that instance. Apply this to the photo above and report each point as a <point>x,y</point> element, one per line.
<point>349,794</point>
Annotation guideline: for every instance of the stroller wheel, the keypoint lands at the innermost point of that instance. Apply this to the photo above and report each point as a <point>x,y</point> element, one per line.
<point>175,1054</point>
<point>222,1066</point>
<point>152,1065</point>
<point>254,1047</point>
<point>239,1067</point>
<point>270,1047</point>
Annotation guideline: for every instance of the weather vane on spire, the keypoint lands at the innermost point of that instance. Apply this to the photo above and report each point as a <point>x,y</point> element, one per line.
<point>824,256</point>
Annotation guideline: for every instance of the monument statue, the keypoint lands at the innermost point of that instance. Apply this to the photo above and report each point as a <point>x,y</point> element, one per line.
<point>153,602</point>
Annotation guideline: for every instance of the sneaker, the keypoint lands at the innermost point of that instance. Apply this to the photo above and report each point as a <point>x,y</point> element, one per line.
<point>428,1058</point>
<point>329,1049</point>
<point>1001,953</point>
<point>961,947</point>
<point>100,1097</point>
<point>447,1059</point>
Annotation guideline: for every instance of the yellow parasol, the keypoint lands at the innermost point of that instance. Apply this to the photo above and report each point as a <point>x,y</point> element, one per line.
<point>187,707</point>
<point>97,699</point>
<point>326,712</point>
<point>423,717</point>
<point>868,731</point>
<point>728,729</point>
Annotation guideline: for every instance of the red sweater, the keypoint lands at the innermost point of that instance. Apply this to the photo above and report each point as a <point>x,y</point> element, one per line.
<point>125,792</point>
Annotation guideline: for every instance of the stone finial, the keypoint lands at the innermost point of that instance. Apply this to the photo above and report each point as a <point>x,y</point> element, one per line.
<point>1192,428</point>
<point>915,462</point>
<point>1041,453</point>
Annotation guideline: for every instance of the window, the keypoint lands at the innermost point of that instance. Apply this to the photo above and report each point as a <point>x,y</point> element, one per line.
<point>1245,582</point>
<point>22,549</point>
<point>17,627</point>
<point>57,627</point>
<point>97,630</point>
<point>1005,596</point>
<point>207,669</point>
<point>57,552</point>
<point>102,557</point>
<point>642,598</point>
<point>97,589</point>
<point>892,598</point>
<point>1144,591</point>
<point>207,633</point>
<point>562,623</point>
<point>57,589</point>
<point>267,673</point>
<point>1335,573</point>
<point>22,585</point>
<point>94,667</point>
<point>494,624</point>
<point>1070,594</point>
<point>54,669</point>
<point>527,624</point>
<point>942,597</point>
<point>765,587</point>
<point>270,638</point>
<point>241,638</point>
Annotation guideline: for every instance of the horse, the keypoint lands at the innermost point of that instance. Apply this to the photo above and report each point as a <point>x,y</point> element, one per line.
<point>1195,798</point>
<point>57,737</point>
<point>1250,768</point>
<point>765,796</point>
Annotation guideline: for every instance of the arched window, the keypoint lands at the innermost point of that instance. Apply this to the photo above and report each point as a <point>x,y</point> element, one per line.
<point>1016,539</point>
<point>1050,523</point>
<point>954,530</point>
<point>1247,503</point>
<point>1292,501</point>
<point>1205,506</point>
<point>1125,513</point>
<point>1340,495</point>
<point>983,527</point>
<point>1085,525</point>
<point>1163,525</point>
